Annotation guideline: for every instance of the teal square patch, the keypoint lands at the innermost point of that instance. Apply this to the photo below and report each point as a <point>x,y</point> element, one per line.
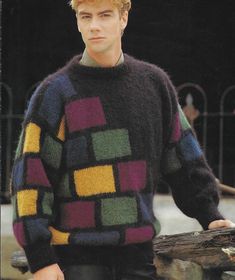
<point>111,144</point>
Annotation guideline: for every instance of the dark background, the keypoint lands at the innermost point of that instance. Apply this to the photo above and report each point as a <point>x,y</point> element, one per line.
<point>193,40</point>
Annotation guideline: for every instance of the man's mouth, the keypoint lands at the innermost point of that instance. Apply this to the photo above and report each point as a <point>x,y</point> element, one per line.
<point>96,38</point>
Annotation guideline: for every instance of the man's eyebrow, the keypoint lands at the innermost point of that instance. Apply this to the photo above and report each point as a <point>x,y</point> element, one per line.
<point>83,13</point>
<point>99,13</point>
<point>105,11</point>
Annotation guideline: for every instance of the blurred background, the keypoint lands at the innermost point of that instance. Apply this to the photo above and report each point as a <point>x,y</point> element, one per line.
<point>192,40</point>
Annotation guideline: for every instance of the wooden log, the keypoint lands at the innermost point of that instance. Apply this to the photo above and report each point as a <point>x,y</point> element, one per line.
<point>183,256</point>
<point>211,249</point>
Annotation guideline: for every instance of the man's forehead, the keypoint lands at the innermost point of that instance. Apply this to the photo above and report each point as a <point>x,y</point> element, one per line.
<point>97,7</point>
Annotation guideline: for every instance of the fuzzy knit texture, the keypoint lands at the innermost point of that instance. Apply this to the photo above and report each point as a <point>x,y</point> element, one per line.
<point>95,144</point>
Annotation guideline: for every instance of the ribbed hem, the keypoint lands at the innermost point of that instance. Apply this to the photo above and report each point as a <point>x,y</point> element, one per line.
<point>40,255</point>
<point>211,214</point>
<point>73,254</point>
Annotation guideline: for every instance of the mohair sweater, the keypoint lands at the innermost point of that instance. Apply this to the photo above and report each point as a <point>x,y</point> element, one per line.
<point>95,144</point>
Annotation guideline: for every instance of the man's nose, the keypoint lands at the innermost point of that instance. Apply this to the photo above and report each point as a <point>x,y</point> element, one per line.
<point>94,24</point>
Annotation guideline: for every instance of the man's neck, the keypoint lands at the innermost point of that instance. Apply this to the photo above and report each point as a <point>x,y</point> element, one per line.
<point>105,59</point>
<point>88,61</point>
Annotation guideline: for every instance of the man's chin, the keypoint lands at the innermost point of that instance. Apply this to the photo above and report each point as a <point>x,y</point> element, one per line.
<point>97,49</point>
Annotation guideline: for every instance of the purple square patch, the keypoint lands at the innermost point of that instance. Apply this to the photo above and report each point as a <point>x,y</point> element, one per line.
<point>138,235</point>
<point>79,214</point>
<point>18,229</point>
<point>36,173</point>
<point>176,133</point>
<point>84,113</point>
<point>132,175</point>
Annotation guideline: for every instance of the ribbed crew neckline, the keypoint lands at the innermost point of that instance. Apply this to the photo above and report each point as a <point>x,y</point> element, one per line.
<point>76,69</point>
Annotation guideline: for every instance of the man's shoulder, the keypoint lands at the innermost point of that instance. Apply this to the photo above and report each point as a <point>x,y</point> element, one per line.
<point>56,78</point>
<point>58,82</point>
<point>145,67</point>
<point>49,91</point>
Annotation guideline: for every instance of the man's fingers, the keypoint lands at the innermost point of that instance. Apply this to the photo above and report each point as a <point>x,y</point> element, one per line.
<point>216,224</point>
<point>221,224</point>
<point>229,223</point>
<point>61,276</point>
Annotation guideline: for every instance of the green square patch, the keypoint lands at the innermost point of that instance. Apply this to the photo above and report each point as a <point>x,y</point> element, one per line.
<point>19,148</point>
<point>14,206</point>
<point>51,152</point>
<point>63,188</point>
<point>47,203</point>
<point>171,162</point>
<point>183,120</point>
<point>111,144</point>
<point>117,211</point>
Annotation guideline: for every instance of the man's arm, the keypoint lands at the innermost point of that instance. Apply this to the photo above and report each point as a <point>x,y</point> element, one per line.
<point>34,175</point>
<point>184,167</point>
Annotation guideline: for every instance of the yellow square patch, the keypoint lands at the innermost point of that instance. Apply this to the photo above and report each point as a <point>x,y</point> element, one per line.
<point>27,202</point>
<point>59,237</point>
<point>61,132</point>
<point>32,139</point>
<point>94,180</point>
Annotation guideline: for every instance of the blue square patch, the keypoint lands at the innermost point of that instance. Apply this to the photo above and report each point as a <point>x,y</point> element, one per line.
<point>190,148</point>
<point>76,151</point>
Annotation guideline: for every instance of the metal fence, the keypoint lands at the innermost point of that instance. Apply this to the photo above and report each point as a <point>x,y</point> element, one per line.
<point>9,121</point>
<point>224,113</point>
<point>188,93</point>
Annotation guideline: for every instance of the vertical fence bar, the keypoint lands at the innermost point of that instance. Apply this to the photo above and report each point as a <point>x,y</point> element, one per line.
<point>9,117</point>
<point>29,94</point>
<point>221,130</point>
<point>6,193</point>
<point>205,113</point>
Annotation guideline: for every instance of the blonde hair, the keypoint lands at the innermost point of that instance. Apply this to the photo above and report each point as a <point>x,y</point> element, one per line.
<point>122,5</point>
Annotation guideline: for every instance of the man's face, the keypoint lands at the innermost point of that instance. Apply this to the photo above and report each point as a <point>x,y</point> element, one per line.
<point>101,26</point>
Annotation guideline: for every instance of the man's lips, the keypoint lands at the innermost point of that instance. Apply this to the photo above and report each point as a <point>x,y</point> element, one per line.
<point>96,38</point>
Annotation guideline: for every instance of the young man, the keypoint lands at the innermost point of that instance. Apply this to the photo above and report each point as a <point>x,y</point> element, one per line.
<point>98,136</point>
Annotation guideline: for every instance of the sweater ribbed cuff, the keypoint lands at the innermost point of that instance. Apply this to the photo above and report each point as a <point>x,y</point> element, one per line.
<point>208,215</point>
<point>39,256</point>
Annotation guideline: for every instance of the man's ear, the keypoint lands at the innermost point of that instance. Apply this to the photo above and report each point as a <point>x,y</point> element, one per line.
<point>124,20</point>
<point>77,23</point>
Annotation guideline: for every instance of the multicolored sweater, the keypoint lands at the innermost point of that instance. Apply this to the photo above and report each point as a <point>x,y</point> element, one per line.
<point>95,144</point>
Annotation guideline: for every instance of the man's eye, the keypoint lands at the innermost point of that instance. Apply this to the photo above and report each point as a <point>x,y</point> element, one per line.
<point>86,17</point>
<point>105,15</point>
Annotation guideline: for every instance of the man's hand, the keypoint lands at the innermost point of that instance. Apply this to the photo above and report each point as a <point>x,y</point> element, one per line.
<point>51,272</point>
<point>221,224</point>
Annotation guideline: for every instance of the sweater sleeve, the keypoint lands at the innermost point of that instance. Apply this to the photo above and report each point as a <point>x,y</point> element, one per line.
<point>184,166</point>
<point>35,174</point>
